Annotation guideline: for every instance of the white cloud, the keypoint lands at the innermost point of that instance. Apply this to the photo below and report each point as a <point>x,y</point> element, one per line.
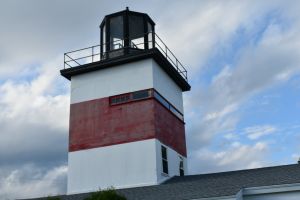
<point>219,114</point>
<point>29,181</point>
<point>264,62</point>
<point>234,157</point>
<point>31,101</point>
<point>34,124</point>
<point>31,111</point>
<point>255,132</point>
<point>204,28</point>
<point>231,136</point>
<point>296,157</point>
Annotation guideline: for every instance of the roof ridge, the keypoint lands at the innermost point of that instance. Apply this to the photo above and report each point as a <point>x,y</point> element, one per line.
<point>230,172</point>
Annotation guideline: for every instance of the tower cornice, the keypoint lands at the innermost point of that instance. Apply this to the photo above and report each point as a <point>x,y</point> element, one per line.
<point>129,58</point>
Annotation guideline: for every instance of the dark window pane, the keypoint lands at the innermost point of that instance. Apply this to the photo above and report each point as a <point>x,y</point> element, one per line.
<point>136,27</point>
<point>104,38</point>
<point>181,172</point>
<point>136,31</point>
<point>165,167</point>
<point>164,152</point>
<point>181,164</point>
<point>116,32</point>
<point>181,168</point>
<point>149,27</point>
<point>113,100</point>
<point>164,159</point>
<point>150,43</point>
<point>120,99</point>
<point>141,94</point>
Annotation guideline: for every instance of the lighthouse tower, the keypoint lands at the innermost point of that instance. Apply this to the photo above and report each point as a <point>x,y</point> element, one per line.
<point>126,113</point>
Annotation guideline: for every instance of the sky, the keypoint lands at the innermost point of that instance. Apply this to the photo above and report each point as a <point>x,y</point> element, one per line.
<point>243,62</point>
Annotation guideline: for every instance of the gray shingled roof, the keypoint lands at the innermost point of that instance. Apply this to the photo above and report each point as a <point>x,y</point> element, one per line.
<point>209,185</point>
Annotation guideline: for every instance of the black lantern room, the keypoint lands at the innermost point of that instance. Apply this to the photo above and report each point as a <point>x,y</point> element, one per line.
<point>126,32</point>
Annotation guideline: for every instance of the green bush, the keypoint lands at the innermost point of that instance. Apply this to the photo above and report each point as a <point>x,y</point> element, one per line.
<point>53,198</point>
<point>109,194</point>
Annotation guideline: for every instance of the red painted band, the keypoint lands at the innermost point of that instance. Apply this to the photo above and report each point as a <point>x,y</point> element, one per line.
<point>97,124</point>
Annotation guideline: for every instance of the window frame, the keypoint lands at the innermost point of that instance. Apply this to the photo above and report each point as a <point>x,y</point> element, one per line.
<point>165,163</point>
<point>181,166</point>
<point>129,97</point>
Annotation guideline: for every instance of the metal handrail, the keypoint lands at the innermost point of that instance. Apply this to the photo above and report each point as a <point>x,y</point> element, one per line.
<point>184,71</point>
<point>158,42</point>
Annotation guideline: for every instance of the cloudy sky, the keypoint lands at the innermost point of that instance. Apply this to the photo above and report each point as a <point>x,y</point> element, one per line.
<point>243,61</point>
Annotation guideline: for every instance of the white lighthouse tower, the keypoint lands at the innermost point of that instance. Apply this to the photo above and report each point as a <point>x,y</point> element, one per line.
<point>126,112</point>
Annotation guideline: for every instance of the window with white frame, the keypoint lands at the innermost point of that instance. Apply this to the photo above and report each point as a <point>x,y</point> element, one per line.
<point>164,156</point>
<point>181,168</point>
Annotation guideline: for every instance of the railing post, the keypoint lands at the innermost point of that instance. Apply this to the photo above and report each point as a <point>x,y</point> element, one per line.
<point>166,51</point>
<point>92,53</point>
<point>64,60</point>
<point>153,39</point>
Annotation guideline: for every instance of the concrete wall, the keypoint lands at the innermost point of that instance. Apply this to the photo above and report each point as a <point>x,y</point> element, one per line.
<point>167,87</point>
<point>124,165</point>
<point>129,77</point>
<point>121,166</point>
<point>112,81</point>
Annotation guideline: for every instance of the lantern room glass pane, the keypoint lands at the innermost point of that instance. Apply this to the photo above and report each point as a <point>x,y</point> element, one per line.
<point>116,33</point>
<point>136,31</point>
<point>150,33</point>
<point>104,39</point>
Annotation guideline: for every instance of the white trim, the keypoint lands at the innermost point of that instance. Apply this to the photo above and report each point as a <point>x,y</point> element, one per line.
<point>271,189</point>
<point>239,195</point>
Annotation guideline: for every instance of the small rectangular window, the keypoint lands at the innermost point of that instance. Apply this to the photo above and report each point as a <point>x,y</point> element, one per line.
<point>120,99</point>
<point>164,155</point>
<point>141,94</point>
<point>129,97</point>
<point>181,168</point>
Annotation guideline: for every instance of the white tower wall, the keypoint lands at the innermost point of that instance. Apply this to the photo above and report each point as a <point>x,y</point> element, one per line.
<point>128,164</point>
<point>121,166</point>
<point>125,78</point>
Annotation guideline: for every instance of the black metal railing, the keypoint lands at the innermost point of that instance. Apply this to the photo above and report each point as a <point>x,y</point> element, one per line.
<point>93,54</point>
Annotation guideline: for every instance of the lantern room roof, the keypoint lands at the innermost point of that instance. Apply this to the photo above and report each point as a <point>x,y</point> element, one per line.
<point>128,12</point>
